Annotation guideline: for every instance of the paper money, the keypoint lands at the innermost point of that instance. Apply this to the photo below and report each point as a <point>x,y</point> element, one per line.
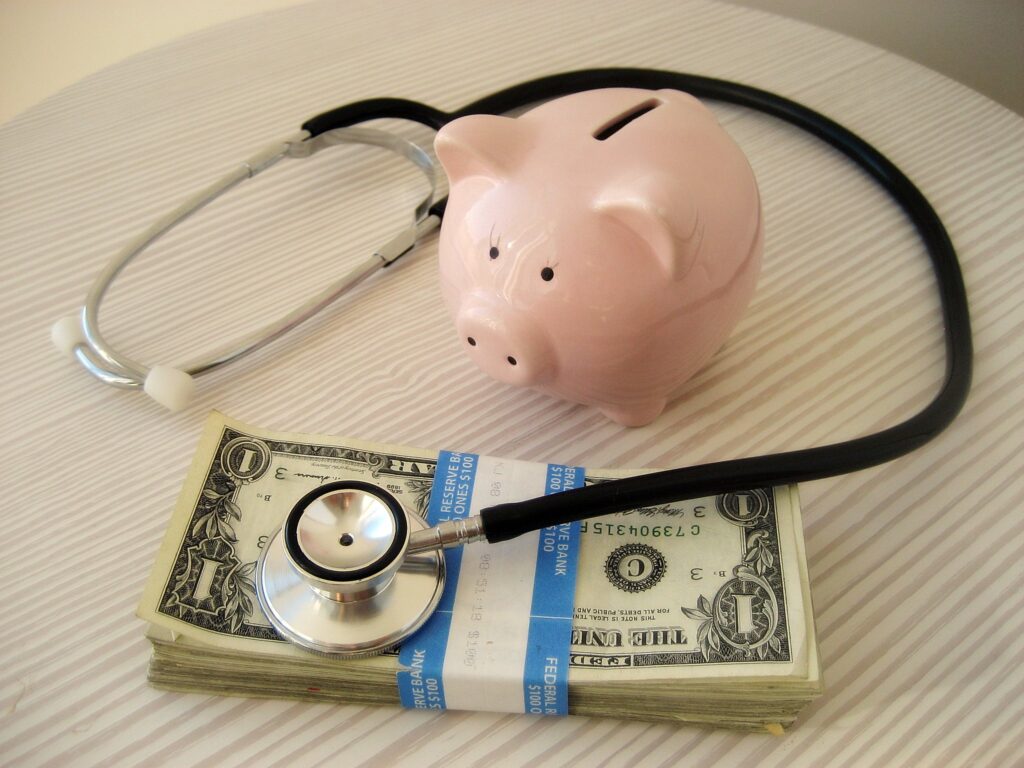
<point>701,605</point>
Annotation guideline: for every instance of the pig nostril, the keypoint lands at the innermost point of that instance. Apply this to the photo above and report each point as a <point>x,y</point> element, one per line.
<point>511,360</point>
<point>472,341</point>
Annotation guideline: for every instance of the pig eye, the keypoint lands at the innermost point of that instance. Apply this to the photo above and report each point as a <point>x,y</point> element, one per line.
<point>494,252</point>
<point>547,274</point>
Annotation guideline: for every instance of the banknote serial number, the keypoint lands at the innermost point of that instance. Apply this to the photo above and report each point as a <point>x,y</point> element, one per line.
<point>628,529</point>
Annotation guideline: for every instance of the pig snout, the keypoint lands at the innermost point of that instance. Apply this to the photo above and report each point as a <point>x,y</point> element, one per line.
<point>505,343</point>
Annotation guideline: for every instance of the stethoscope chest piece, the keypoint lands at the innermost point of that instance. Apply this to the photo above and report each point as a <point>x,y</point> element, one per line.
<point>337,577</point>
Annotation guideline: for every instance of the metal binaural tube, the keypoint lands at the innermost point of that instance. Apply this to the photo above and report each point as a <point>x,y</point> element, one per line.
<point>451,533</point>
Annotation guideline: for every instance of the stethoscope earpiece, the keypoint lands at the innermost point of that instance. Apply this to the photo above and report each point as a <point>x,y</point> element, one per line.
<point>79,337</point>
<point>338,579</point>
<point>171,387</point>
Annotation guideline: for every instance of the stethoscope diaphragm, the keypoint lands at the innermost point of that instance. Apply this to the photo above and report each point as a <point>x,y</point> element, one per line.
<point>338,579</point>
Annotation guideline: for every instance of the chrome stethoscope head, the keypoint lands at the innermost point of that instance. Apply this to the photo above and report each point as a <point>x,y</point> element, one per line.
<point>350,573</point>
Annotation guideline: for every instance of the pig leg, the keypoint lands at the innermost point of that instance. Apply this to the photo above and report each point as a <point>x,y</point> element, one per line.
<point>635,414</point>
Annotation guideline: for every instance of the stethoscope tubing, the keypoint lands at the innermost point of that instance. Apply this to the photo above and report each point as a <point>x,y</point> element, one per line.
<point>507,521</point>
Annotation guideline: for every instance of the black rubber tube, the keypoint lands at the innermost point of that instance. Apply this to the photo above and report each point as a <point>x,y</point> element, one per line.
<point>374,109</point>
<point>507,521</point>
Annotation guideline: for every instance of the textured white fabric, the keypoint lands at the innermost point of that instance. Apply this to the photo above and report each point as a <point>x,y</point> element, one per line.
<point>915,566</point>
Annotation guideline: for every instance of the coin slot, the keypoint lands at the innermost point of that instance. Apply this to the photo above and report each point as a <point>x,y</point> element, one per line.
<point>616,125</point>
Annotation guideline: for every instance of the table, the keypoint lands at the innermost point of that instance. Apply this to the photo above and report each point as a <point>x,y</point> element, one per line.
<point>915,566</point>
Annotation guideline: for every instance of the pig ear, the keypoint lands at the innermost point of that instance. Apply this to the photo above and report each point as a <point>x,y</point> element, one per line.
<point>672,228</point>
<point>481,145</point>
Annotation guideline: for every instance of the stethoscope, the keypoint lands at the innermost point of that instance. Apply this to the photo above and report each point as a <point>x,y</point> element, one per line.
<point>351,572</point>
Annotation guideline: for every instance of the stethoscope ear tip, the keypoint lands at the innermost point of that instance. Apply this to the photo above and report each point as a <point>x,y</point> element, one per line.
<point>67,333</point>
<point>171,387</point>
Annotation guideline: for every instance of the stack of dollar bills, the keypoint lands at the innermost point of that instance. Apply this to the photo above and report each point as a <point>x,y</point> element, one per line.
<point>693,612</point>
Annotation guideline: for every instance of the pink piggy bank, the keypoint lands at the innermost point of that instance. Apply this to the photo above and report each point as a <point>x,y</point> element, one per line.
<point>600,247</point>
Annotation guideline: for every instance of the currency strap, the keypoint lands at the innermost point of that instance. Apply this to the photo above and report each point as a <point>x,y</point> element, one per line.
<point>499,640</point>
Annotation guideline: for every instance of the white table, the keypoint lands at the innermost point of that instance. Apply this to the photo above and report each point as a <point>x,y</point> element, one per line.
<point>915,566</point>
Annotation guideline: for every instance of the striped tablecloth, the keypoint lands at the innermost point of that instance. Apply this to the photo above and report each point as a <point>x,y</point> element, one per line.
<point>915,566</point>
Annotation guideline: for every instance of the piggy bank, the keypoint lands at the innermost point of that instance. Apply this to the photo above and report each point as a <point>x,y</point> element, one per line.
<point>599,247</point>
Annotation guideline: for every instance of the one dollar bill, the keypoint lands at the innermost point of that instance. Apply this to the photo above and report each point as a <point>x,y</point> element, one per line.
<point>710,592</point>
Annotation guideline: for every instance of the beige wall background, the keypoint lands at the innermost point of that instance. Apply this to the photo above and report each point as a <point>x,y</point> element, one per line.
<point>46,45</point>
<point>978,42</point>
